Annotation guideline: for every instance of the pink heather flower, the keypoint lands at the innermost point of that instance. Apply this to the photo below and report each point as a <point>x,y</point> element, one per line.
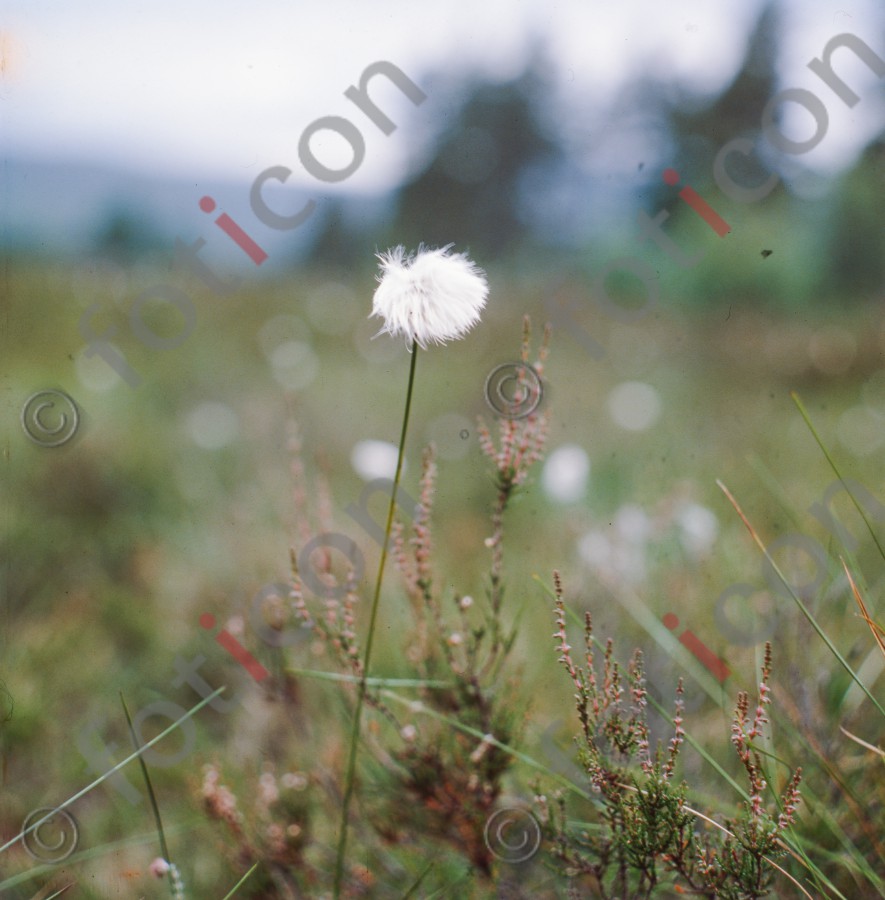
<point>159,867</point>
<point>434,296</point>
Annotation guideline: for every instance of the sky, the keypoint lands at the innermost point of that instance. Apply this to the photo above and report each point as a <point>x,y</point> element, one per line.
<point>225,89</point>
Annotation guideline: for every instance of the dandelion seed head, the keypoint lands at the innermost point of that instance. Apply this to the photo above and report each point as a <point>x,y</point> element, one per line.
<point>433,296</point>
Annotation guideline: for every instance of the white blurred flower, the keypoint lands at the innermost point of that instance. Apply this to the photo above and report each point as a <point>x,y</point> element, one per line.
<point>629,563</point>
<point>433,296</point>
<point>634,405</point>
<point>565,474</point>
<point>267,789</point>
<point>633,524</point>
<point>235,624</point>
<point>374,459</point>
<point>212,425</point>
<point>699,527</point>
<point>294,781</point>
<point>618,556</point>
<point>595,549</point>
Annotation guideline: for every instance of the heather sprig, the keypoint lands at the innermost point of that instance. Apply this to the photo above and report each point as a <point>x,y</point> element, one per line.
<point>455,778</point>
<point>272,832</point>
<point>644,839</point>
<point>520,445</point>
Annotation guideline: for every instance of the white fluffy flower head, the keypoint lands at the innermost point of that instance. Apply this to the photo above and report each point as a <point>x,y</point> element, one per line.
<point>431,297</point>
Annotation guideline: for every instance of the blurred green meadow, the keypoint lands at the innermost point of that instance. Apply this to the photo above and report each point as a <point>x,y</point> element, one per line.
<point>175,510</point>
<point>175,499</point>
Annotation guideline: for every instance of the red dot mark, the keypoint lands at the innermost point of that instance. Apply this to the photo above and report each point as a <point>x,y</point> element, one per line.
<point>671,176</point>
<point>207,204</point>
<point>207,620</point>
<point>670,621</point>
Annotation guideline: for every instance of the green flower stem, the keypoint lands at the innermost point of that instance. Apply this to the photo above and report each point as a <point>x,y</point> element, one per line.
<point>361,696</point>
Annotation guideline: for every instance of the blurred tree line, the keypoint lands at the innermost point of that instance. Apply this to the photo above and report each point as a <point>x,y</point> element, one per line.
<point>498,160</point>
<point>503,180</point>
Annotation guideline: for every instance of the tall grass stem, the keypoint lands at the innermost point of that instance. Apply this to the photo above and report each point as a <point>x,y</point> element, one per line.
<point>361,695</point>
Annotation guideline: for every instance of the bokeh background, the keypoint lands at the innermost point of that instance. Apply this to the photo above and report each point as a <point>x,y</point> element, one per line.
<point>544,135</point>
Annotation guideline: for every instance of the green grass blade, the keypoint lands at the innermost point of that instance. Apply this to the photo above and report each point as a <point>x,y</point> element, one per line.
<point>417,884</point>
<point>164,849</point>
<point>373,681</point>
<point>102,778</point>
<point>804,413</point>
<point>56,894</point>
<point>240,883</point>
<point>798,601</point>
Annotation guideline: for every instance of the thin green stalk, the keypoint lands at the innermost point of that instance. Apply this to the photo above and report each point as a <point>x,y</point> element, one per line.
<point>446,891</point>
<point>102,778</point>
<point>798,600</point>
<point>361,696</point>
<point>804,413</point>
<point>410,892</point>
<point>242,881</point>
<point>164,849</point>
<point>374,682</point>
<point>58,893</point>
